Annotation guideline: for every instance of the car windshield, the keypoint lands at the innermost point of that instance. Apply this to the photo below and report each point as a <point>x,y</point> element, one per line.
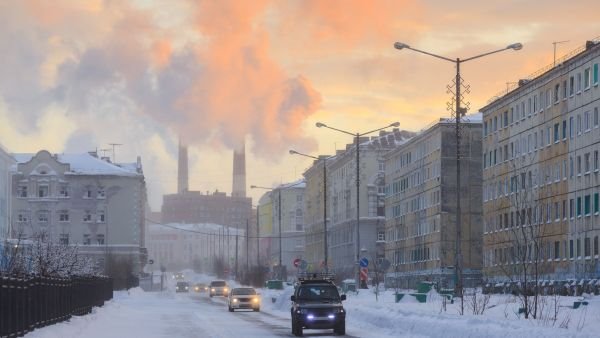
<point>244,291</point>
<point>218,283</point>
<point>182,284</point>
<point>318,293</point>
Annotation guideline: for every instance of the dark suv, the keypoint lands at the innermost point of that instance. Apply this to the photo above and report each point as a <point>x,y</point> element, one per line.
<point>316,304</point>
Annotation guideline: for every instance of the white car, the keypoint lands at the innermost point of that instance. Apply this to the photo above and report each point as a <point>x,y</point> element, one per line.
<point>243,298</point>
<point>218,288</point>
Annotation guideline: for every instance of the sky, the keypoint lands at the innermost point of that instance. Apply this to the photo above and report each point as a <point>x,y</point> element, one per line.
<point>76,76</point>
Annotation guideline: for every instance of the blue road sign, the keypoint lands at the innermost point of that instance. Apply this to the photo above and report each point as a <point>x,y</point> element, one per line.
<point>364,262</point>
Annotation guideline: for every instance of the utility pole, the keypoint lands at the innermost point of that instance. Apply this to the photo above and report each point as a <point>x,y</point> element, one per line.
<point>257,237</point>
<point>358,284</point>
<point>236,255</point>
<point>247,248</point>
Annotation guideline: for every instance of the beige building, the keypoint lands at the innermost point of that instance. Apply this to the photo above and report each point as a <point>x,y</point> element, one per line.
<point>541,172</point>
<point>80,199</point>
<point>341,204</point>
<point>421,206</point>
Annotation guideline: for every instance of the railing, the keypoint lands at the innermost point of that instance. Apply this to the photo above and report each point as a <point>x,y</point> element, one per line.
<point>30,302</point>
<point>514,85</point>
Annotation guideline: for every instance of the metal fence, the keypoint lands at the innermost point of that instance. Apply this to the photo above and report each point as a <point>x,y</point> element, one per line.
<point>30,302</point>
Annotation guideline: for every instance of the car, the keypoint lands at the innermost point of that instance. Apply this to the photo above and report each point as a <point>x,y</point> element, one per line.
<point>179,276</point>
<point>182,287</point>
<point>316,304</point>
<point>200,287</point>
<point>218,288</point>
<point>243,298</point>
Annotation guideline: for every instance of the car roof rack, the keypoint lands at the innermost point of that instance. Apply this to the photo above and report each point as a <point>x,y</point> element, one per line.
<point>318,277</point>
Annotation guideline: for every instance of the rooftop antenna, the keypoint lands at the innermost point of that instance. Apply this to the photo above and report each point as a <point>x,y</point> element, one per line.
<point>103,151</point>
<point>113,150</point>
<point>557,43</point>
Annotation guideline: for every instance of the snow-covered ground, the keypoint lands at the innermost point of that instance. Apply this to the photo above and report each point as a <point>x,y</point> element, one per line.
<point>155,314</point>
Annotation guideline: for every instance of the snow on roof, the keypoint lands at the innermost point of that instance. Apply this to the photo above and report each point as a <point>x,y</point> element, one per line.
<point>85,164</point>
<point>301,183</point>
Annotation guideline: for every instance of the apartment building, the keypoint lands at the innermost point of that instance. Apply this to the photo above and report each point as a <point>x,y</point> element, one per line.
<point>541,172</point>
<point>421,208</point>
<point>82,200</point>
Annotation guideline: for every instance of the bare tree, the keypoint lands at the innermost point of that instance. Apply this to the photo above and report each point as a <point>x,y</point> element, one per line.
<point>521,257</point>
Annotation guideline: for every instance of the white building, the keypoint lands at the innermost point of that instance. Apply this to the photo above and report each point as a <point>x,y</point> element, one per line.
<point>6,161</point>
<point>79,199</point>
<point>177,246</point>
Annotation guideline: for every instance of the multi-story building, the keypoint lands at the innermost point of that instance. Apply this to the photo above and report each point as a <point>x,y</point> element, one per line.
<point>265,227</point>
<point>541,172</point>
<point>341,203</point>
<point>286,200</point>
<point>421,208</point>
<point>80,199</point>
<point>6,161</point>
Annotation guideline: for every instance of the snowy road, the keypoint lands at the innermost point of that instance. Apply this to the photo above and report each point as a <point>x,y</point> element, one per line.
<point>156,315</point>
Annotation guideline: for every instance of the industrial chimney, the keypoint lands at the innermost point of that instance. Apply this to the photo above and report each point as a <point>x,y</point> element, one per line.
<point>239,172</point>
<point>182,169</point>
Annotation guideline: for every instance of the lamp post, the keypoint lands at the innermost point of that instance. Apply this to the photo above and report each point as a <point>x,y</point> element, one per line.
<point>458,112</point>
<point>357,138</point>
<point>324,160</point>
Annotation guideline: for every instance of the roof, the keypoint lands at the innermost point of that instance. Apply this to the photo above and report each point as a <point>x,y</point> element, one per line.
<point>85,164</point>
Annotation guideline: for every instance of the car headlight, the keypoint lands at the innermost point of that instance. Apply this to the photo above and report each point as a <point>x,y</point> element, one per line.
<point>186,287</point>
<point>225,289</point>
<point>213,290</point>
<point>255,300</point>
<point>235,300</point>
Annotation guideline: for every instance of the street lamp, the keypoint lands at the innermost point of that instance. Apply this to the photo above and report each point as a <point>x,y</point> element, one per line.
<point>357,138</point>
<point>458,112</point>
<point>324,160</point>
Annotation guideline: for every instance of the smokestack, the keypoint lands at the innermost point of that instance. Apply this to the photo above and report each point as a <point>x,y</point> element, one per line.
<point>182,169</point>
<point>239,172</point>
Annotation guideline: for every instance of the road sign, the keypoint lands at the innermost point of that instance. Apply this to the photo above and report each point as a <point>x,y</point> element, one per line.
<point>364,262</point>
<point>303,265</point>
<point>151,261</point>
<point>297,262</point>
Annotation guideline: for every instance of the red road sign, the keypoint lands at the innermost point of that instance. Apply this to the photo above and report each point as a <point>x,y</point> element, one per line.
<point>297,262</point>
<point>364,274</point>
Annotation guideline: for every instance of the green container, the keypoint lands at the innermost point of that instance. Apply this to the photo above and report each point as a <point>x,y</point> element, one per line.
<point>274,284</point>
<point>421,297</point>
<point>399,297</point>
<point>424,287</point>
<point>577,304</point>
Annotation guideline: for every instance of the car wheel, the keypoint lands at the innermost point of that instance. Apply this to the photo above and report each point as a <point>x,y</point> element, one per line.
<point>211,296</point>
<point>230,309</point>
<point>257,309</point>
<point>340,328</point>
<point>294,329</point>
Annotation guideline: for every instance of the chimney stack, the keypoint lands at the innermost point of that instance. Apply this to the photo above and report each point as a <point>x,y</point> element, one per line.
<point>239,172</point>
<point>182,169</point>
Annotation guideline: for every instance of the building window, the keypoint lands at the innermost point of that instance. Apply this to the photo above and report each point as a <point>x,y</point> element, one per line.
<point>571,86</point>
<point>578,165</point>
<point>586,247</point>
<point>381,236</point>
<point>556,93</point>
<point>22,191</point>
<point>570,248</point>
<point>578,206</point>
<point>43,190</point>
<point>63,216</point>
<point>556,132</point>
<point>596,161</point>
<point>564,129</point>
<point>596,203</point>
<point>101,216</point>
<point>578,247</point>
<point>101,193</point>
<point>587,204</point>
<point>578,83</point>
<point>88,193</point>
<point>595,73</point>
<point>556,250</point>
<point>596,246</point>
<point>100,239</point>
<point>64,239</point>
<point>586,162</point>
<point>586,78</point>
<point>596,119</point>
<point>87,216</point>
<point>63,191</point>
<point>87,239</point>
<point>43,216</point>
